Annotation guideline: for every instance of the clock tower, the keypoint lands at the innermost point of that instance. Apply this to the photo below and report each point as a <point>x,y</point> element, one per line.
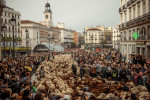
<point>48,15</point>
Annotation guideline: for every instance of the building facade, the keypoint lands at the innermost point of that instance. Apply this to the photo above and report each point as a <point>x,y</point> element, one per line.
<point>2,5</point>
<point>99,36</point>
<point>66,35</point>
<point>37,34</point>
<point>135,27</point>
<point>116,37</point>
<point>7,15</point>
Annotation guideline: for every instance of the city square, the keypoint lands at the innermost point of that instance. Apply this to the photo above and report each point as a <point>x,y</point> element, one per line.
<point>75,50</point>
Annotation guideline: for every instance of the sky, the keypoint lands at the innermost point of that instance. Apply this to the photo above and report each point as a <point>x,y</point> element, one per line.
<point>76,14</point>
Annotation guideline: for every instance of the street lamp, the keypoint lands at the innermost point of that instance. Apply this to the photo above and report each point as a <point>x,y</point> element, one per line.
<point>27,37</point>
<point>4,29</point>
<point>27,32</point>
<point>13,23</point>
<point>92,40</point>
<point>49,41</point>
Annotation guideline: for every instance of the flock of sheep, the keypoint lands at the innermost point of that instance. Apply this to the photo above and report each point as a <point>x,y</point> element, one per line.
<point>59,80</point>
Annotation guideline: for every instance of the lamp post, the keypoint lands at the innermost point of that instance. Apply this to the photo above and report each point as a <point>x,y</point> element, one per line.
<point>49,41</point>
<point>13,23</point>
<point>27,37</point>
<point>4,29</point>
<point>92,40</point>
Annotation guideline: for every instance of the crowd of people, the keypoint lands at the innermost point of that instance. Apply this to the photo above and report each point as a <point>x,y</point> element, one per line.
<point>16,73</point>
<point>15,76</point>
<point>113,64</point>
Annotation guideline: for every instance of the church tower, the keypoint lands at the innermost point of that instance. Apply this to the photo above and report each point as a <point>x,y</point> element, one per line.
<point>48,15</point>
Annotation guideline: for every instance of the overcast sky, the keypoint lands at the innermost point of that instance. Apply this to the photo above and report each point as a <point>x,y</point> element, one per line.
<point>76,14</point>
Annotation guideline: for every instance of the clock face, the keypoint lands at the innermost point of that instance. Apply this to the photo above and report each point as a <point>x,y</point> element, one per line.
<point>46,16</point>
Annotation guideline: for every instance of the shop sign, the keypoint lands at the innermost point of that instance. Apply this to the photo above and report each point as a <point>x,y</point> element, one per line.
<point>140,46</point>
<point>140,43</point>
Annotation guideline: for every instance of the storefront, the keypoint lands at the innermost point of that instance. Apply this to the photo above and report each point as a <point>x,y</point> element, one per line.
<point>140,49</point>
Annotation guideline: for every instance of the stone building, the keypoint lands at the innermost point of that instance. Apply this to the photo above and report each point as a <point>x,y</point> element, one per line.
<point>99,36</point>
<point>116,37</point>
<point>2,5</point>
<point>135,27</point>
<point>7,14</point>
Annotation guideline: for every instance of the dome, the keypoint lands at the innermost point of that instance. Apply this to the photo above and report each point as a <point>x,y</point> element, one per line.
<point>47,5</point>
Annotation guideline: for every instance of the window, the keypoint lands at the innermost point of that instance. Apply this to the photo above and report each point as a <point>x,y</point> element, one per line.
<point>144,7</point>
<point>6,21</point>
<point>138,11</point>
<point>130,35</point>
<point>125,17</point>
<point>5,14</point>
<point>130,13</point>
<point>121,18</point>
<point>18,17</point>
<point>9,28</point>
<point>133,11</point>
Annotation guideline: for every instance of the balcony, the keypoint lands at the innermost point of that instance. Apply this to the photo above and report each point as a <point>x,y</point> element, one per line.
<point>130,2</point>
<point>135,22</point>
<point>124,7</point>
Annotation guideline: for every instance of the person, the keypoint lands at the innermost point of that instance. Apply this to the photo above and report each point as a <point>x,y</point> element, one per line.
<point>40,96</point>
<point>74,70</point>
<point>93,69</point>
<point>124,58</point>
<point>14,85</point>
<point>42,72</point>
<point>87,70</point>
<point>81,70</point>
<point>103,71</point>
<point>67,97</point>
<point>34,89</point>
